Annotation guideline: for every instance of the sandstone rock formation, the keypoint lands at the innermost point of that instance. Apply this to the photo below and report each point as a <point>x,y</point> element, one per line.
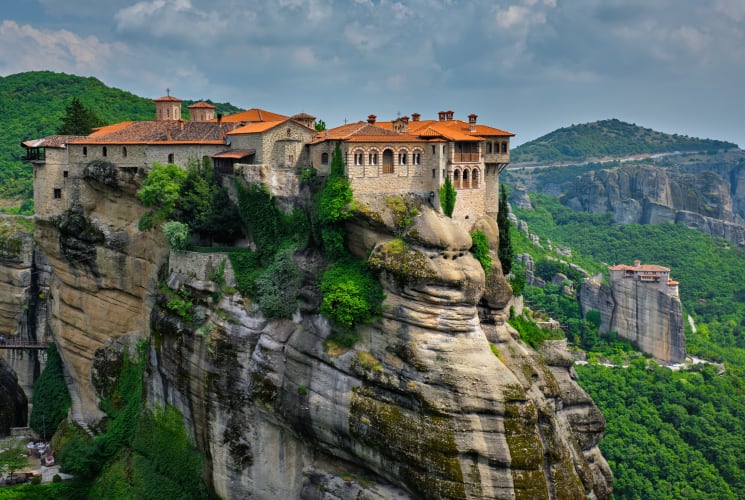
<point>640,313</point>
<point>13,402</point>
<point>421,407</point>
<point>708,201</point>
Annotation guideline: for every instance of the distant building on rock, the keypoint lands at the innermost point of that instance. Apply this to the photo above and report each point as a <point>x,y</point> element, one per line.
<point>641,305</point>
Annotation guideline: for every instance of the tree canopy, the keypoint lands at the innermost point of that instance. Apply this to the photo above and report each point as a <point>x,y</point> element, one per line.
<point>78,119</point>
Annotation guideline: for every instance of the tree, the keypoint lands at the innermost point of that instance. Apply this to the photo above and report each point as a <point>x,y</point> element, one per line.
<point>177,234</point>
<point>447,197</point>
<point>78,119</point>
<point>51,399</point>
<point>320,126</point>
<point>12,459</point>
<point>505,251</point>
<point>161,189</point>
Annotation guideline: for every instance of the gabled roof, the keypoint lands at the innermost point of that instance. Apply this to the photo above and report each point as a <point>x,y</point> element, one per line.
<point>363,132</point>
<point>253,115</point>
<point>258,127</point>
<point>166,98</point>
<point>643,268</point>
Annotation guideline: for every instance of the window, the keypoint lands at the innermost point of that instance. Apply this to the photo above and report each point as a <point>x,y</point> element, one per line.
<point>456,179</point>
<point>170,158</point>
<point>104,151</point>
<point>488,147</point>
<point>466,184</point>
<point>65,174</point>
<point>57,193</point>
<point>504,147</point>
<point>324,158</point>
<point>388,161</point>
<point>358,158</point>
<point>291,159</point>
<point>124,151</point>
<point>289,133</point>
<point>373,158</point>
<point>85,151</point>
<point>402,158</point>
<point>475,178</point>
<point>416,158</point>
<point>433,173</point>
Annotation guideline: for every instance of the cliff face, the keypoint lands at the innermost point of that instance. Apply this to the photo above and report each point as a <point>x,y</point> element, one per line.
<point>104,272</point>
<point>420,407</point>
<point>709,201</point>
<point>640,313</point>
<point>13,402</point>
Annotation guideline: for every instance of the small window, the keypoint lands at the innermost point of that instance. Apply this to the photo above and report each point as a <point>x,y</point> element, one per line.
<point>402,158</point>
<point>85,151</point>
<point>57,193</point>
<point>475,178</point>
<point>104,151</point>
<point>488,148</point>
<point>465,179</point>
<point>433,149</point>
<point>373,158</point>
<point>291,159</point>
<point>416,158</point>
<point>170,158</point>
<point>324,158</point>
<point>65,174</point>
<point>504,147</point>
<point>358,159</point>
<point>433,173</point>
<point>124,151</point>
<point>289,133</point>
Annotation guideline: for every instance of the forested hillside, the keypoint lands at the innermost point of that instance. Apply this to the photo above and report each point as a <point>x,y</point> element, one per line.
<point>33,105</point>
<point>671,434</point>
<point>607,139</point>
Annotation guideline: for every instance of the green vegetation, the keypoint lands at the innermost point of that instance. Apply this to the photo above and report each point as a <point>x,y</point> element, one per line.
<point>480,250</point>
<point>160,189</point>
<point>51,399</point>
<point>670,434</point>
<point>607,138</point>
<point>351,295</point>
<point>447,197</point>
<point>505,251</point>
<point>13,457</point>
<point>34,105</point>
<point>78,119</point>
<point>532,334</point>
<point>177,234</point>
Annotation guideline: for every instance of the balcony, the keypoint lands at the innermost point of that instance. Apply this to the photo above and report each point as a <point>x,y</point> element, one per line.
<point>466,157</point>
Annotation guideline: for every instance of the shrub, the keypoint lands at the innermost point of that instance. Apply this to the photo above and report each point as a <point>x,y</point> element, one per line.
<point>278,286</point>
<point>351,295</point>
<point>480,250</point>
<point>177,235</point>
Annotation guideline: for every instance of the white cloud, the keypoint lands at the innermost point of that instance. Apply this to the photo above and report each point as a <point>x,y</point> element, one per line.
<point>24,48</point>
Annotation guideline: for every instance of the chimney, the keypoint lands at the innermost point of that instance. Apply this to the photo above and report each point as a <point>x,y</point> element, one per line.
<point>448,115</point>
<point>371,119</point>
<point>472,122</point>
<point>219,118</point>
<point>441,115</point>
<point>415,117</point>
<point>637,263</point>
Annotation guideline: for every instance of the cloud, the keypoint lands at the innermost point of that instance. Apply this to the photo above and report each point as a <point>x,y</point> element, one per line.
<point>25,48</point>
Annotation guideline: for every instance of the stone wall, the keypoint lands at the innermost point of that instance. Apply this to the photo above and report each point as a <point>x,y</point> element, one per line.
<point>201,266</point>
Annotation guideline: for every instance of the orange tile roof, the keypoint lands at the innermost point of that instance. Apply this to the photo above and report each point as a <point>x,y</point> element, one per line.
<point>202,104</point>
<point>254,128</point>
<point>166,98</point>
<point>253,115</point>
<point>641,268</point>
<point>159,132</point>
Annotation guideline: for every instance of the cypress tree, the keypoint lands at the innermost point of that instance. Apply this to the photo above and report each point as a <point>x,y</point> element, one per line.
<point>447,197</point>
<point>505,251</point>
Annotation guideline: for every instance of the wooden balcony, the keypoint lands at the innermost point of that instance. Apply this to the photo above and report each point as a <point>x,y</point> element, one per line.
<point>466,158</point>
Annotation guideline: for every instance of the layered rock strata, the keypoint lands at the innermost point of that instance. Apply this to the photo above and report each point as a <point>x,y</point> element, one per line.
<point>421,407</point>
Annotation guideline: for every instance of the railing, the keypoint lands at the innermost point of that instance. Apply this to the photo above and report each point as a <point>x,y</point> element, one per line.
<point>22,344</point>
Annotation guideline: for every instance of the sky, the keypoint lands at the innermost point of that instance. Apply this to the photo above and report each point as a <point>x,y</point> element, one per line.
<point>526,66</point>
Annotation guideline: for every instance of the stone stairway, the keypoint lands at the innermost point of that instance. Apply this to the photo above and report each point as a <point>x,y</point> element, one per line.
<point>76,409</point>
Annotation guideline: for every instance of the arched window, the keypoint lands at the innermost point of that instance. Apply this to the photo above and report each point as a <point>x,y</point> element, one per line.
<point>388,161</point>
<point>324,158</point>
<point>170,158</point>
<point>456,179</point>
<point>359,158</point>
<point>402,157</point>
<point>475,178</point>
<point>416,158</point>
<point>124,151</point>
<point>373,158</point>
<point>104,151</point>
<point>465,184</point>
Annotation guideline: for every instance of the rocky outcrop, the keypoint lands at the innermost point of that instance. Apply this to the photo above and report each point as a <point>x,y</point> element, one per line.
<point>705,200</point>
<point>13,402</point>
<point>421,407</point>
<point>640,313</point>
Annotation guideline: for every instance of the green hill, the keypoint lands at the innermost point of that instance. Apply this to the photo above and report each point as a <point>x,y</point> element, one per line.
<point>607,139</point>
<point>33,105</point>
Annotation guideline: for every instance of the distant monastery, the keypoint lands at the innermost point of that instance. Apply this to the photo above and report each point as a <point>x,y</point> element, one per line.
<point>406,155</point>
<point>652,274</point>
